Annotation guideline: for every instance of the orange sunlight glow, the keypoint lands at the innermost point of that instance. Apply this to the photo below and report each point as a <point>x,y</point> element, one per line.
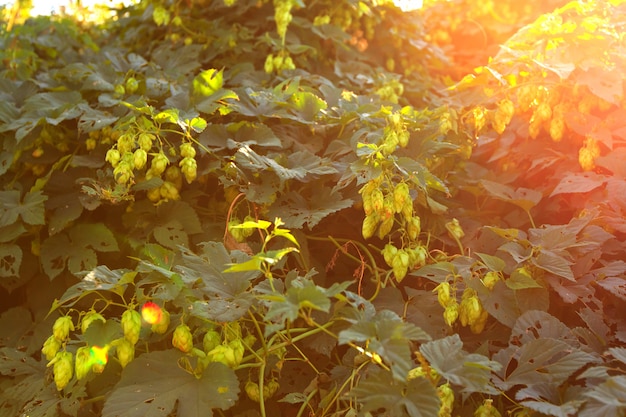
<point>151,313</point>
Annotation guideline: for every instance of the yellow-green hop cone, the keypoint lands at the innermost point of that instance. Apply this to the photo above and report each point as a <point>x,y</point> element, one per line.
<point>238,350</point>
<point>451,314</point>
<point>89,318</point>
<point>211,339</point>
<point>446,395</point>
<point>487,410</point>
<point>400,264</point>
<point>140,158</point>
<point>389,251</point>
<point>479,325</point>
<point>182,338</point>
<point>162,325</point>
<point>187,150</point>
<point>50,347</point>
<point>125,352</point>
<point>490,279</point>
<point>414,227</point>
<point>401,196</point>
<point>270,388</point>
<point>444,296</point>
<point>253,391</point>
<point>222,354</point>
<point>62,327</point>
<point>82,365</point>
<point>63,369</point>
<point>131,325</point>
<point>370,223</point>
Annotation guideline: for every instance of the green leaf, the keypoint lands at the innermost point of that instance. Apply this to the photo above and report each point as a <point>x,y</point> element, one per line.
<point>171,235</point>
<point>492,262</point>
<point>99,279</point>
<point>54,253</point>
<point>608,399</point>
<point>471,371</point>
<point>198,124</point>
<point>208,82</point>
<point>379,391</point>
<point>168,116</point>
<point>94,235</point>
<point>551,262</point>
<point>579,182</point>
<point>307,105</point>
<point>521,279</point>
<point>31,209</point>
<point>10,260</point>
<point>154,385</point>
<point>544,361</point>
<point>524,198</point>
<point>387,335</point>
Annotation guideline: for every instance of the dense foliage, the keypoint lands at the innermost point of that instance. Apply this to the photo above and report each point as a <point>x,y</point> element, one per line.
<point>335,208</point>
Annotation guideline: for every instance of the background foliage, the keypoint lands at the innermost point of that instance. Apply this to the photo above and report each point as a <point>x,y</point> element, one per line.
<point>331,209</point>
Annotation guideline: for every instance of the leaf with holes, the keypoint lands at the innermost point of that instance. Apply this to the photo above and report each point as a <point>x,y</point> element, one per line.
<point>471,371</point>
<point>154,385</point>
<point>576,182</point>
<point>415,398</point>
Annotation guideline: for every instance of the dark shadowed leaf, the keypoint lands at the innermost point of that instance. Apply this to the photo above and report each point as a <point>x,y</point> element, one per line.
<point>154,385</point>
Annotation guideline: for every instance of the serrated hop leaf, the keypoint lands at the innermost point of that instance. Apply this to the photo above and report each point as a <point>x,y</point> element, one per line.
<point>414,227</point>
<point>161,326</point>
<point>113,157</point>
<point>444,294</point>
<point>159,164</point>
<point>490,279</point>
<point>131,325</point>
<point>487,410</point>
<point>82,365</point>
<point>187,150</point>
<point>182,338</point>
<point>63,369</point>
<point>400,264</point>
<point>252,391</point>
<point>189,168</point>
<point>389,252</point>
<point>50,347</point>
<point>401,196</point>
<point>451,313</point>
<point>370,223</point>
<point>89,318</point>
<point>270,388</point>
<point>62,327</point>
<point>125,352</point>
<point>140,158</point>
<point>446,395</point>
<point>211,339</point>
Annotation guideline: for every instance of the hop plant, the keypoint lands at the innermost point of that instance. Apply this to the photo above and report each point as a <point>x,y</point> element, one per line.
<point>89,318</point>
<point>50,347</point>
<point>131,325</point>
<point>125,351</point>
<point>253,391</point>
<point>62,327</point>
<point>182,338</point>
<point>487,410</point>
<point>63,369</point>
<point>446,395</point>
<point>211,339</point>
<point>82,364</point>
